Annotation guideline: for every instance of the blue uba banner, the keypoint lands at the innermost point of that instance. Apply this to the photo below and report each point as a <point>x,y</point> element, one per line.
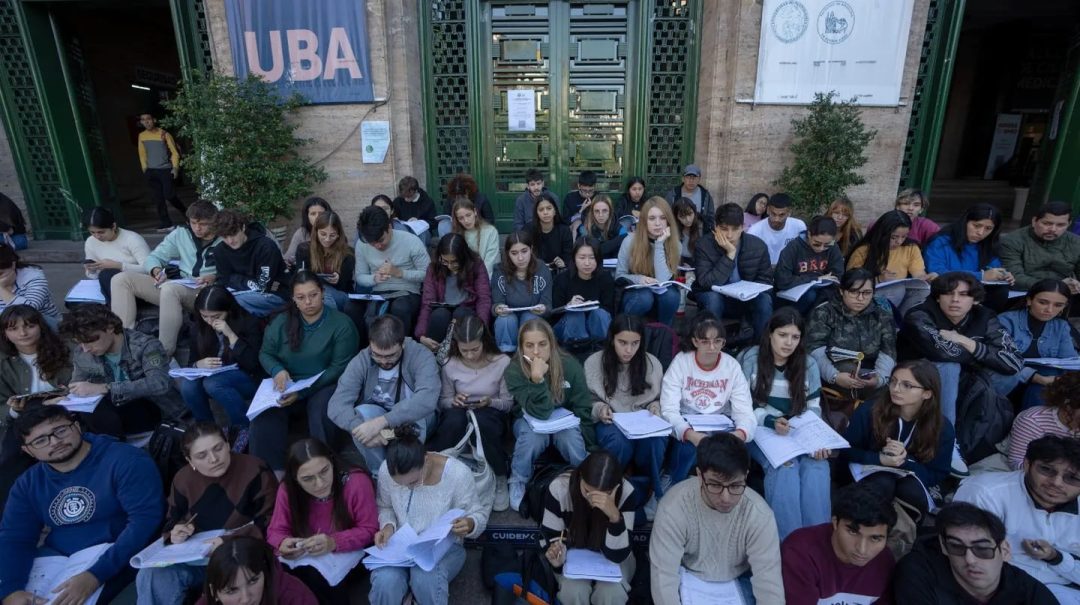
<point>318,48</point>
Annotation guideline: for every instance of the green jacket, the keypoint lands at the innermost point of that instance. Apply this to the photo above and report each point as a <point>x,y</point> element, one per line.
<point>535,398</point>
<point>328,344</point>
<point>1030,259</point>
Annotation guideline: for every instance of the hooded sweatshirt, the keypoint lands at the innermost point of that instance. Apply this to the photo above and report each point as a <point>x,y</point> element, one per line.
<point>196,256</point>
<point>257,265</point>
<point>113,496</point>
<point>800,264</point>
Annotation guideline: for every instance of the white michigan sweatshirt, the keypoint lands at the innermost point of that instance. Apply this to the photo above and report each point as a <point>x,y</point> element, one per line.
<point>691,389</point>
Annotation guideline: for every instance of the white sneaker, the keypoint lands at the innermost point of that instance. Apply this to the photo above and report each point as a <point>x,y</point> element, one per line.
<point>650,507</point>
<point>517,494</point>
<point>665,482</point>
<point>502,495</point>
<point>959,467</point>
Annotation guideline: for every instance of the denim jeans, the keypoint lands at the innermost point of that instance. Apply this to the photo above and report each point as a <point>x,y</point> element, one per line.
<point>167,585</point>
<point>797,492</point>
<point>646,454</point>
<point>336,297</point>
<point>260,304</point>
<point>1033,393</point>
<point>905,296</point>
<point>506,329</point>
<point>950,387</point>
<point>374,456</point>
<point>21,242</point>
<point>757,310</point>
<point>232,390</point>
<point>681,461</point>
<point>389,584</point>
<point>640,301</point>
<point>529,445</point>
<point>808,301</point>
<point>583,326</point>
<point>270,430</point>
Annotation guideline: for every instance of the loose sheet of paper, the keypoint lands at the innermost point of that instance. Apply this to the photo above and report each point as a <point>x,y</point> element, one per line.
<point>584,564</point>
<point>85,405</point>
<point>709,423</point>
<point>742,290</point>
<point>49,572</point>
<point>641,424</point>
<point>86,290</point>
<point>1067,363</point>
<point>197,373</point>
<point>159,554</point>
<point>333,566</point>
<point>267,397</point>
<point>560,419</point>
<point>374,297</point>
<point>695,591</point>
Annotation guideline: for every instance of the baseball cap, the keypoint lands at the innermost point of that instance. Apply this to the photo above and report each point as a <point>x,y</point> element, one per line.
<point>692,169</point>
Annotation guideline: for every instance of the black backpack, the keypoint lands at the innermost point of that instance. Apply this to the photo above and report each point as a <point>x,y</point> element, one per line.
<point>166,448</point>
<point>983,418</point>
<point>532,506</point>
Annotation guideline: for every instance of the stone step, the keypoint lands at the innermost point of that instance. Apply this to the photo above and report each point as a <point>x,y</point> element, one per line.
<point>61,251</point>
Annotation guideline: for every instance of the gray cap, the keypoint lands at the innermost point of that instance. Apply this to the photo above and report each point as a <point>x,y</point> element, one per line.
<point>692,169</point>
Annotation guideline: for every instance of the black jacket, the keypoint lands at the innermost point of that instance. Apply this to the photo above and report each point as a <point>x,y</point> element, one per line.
<point>249,333</point>
<point>345,273</point>
<point>600,288</point>
<point>482,204</point>
<point>924,576</point>
<point>610,242</point>
<point>712,267</point>
<point>707,210</point>
<point>257,265</point>
<point>557,242</point>
<point>920,337</point>
<point>799,264</point>
<point>624,207</point>
<point>423,209</point>
<point>571,205</point>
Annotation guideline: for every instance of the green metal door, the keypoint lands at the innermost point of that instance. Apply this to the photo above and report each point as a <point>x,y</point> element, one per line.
<point>574,59</point>
<point>1058,175</point>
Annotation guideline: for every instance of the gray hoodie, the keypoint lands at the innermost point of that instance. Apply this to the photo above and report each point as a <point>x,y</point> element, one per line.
<point>419,372</point>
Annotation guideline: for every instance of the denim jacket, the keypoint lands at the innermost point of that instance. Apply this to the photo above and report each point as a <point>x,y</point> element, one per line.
<point>143,361</point>
<point>1055,341</point>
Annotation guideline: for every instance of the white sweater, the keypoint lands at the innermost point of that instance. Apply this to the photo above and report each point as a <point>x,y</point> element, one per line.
<point>129,249</point>
<point>419,507</point>
<point>690,389</point>
<point>1005,495</point>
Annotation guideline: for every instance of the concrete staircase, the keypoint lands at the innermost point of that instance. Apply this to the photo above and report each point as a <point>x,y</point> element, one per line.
<point>949,198</point>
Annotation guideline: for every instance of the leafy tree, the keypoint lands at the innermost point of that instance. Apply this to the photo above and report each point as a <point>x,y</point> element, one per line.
<point>828,149</point>
<point>246,153</point>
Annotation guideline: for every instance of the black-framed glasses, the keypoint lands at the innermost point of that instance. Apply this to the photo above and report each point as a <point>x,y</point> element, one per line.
<point>903,385</point>
<point>59,433</point>
<point>1069,477</point>
<point>956,548</point>
<point>859,294</point>
<point>716,489</point>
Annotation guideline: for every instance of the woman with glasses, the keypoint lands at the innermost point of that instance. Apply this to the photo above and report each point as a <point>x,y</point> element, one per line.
<point>584,281</point>
<point>785,383</point>
<point>322,506</point>
<point>552,239</point>
<point>1039,330</point>
<point>308,338</point>
<point>703,381</point>
<point>601,224</point>
<point>456,286</point>
<point>813,256</point>
<point>520,289</point>
<point>888,253</point>
<point>853,340</point>
<point>848,230</point>
<point>648,257</point>
<point>415,489</point>
<point>482,237</point>
<point>329,256</point>
<point>1059,415</point>
<point>903,428</point>
<point>590,507</point>
<point>755,210</point>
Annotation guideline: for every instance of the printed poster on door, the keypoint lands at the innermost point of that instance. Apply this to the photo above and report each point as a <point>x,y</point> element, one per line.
<point>854,47</point>
<point>521,110</point>
<point>318,48</point>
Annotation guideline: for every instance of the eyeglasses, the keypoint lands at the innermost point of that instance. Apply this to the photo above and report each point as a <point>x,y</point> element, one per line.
<point>716,489</point>
<point>860,294</point>
<point>59,433</point>
<point>711,342</point>
<point>956,548</point>
<point>903,385</point>
<point>1069,477</point>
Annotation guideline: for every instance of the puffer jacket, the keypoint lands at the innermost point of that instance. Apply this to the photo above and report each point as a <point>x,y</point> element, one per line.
<point>712,267</point>
<point>920,337</point>
<point>871,332</point>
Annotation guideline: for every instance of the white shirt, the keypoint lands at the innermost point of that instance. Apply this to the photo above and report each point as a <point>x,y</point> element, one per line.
<point>37,383</point>
<point>776,240</point>
<point>690,389</point>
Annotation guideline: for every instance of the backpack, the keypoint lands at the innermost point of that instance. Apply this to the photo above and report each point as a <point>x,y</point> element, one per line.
<point>536,490</point>
<point>166,449</point>
<point>533,583</point>
<point>983,418</point>
<point>662,342</point>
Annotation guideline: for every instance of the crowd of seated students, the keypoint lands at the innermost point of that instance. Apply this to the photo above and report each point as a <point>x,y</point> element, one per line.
<point>453,339</point>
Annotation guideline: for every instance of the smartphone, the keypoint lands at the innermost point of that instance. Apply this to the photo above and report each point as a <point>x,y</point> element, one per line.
<point>325,275</point>
<point>87,261</point>
<point>867,374</point>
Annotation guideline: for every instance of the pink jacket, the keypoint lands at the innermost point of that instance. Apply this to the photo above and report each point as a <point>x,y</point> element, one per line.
<point>477,289</point>
<point>360,498</point>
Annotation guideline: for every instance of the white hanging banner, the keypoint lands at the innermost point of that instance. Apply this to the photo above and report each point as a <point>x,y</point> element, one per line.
<point>853,47</point>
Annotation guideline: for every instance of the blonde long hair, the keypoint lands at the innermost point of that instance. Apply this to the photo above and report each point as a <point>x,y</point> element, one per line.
<point>641,256</point>
<point>464,203</point>
<point>850,233</point>
<point>555,369</point>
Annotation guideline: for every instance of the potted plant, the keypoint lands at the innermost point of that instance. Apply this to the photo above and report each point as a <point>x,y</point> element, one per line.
<point>828,150</point>
<point>246,153</point>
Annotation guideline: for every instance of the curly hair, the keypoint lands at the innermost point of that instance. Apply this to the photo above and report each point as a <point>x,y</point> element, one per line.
<point>1062,394</point>
<point>82,323</point>
<point>229,222</point>
<point>52,355</point>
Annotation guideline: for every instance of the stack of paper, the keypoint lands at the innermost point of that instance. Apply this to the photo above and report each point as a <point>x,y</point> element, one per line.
<point>909,281</point>
<point>47,573</point>
<point>709,423</point>
<point>695,591</point>
<point>583,564</point>
<point>560,420</point>
<point>87,404</point>
<point>582,307</point>
<point>159,554</point>
<point>333,566</point>
<point>197,373</point>
<point>267,397</point>
<point>611,263</point>
<point>808,434</point>
<point>742,290</point>
<point>407,548</point>
<point>85,291</point>
<point>641,424</point>
<point>794,294</point>
<point>374,297</point>
<point>1067,363</point>
<point>660,286</point>
<point>417,226</point>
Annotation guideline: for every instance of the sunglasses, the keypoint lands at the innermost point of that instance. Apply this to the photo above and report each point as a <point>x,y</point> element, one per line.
<point>956,548</point>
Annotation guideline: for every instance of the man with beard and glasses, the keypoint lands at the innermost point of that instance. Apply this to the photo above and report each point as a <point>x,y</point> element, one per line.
<point>394,381</point>
<point>86,490</point>
<point>1044,250</point>
<point>969,565</point>
<point>711,529</point>
<point>1038,505</point>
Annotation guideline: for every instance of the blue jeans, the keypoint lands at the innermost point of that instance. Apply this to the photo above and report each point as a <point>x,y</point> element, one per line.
<point>681,461</point>
<point>20,241</point>
<point>950,388</point>
<point>1033,392</point>
<point>389,584</point>
<point>640,301</point>
<point>797,492</point>
<point>757,310</point>
<point>647,454</point>
<point>808,301</point>
<point>529,445</point>
<point>167,585</point>
<point>578,326</point>
<point>506,329</point>
<point>232,390</point>
<point>374,456</point>
<point>338,298</point>
<point>260,304</point>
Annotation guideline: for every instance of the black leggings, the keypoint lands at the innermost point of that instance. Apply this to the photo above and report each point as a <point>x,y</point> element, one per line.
<point>439,321</point>
<point>908,489</point>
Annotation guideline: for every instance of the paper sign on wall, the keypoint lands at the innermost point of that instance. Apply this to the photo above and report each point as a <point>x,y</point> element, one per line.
<point>374,140</point>
<point>521,110</point>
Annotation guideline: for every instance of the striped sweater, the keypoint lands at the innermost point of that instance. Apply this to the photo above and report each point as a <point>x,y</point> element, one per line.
<point>558,511</point>
<point>778,402</point>
<point>32,289</point>
<point>1031,424</point>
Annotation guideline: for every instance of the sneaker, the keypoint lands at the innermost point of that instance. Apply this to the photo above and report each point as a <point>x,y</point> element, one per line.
<point>502,495</point>
<point>650,508</point>
<point>959,467</point>
<point>665,482</point>
<point>517,494</point>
